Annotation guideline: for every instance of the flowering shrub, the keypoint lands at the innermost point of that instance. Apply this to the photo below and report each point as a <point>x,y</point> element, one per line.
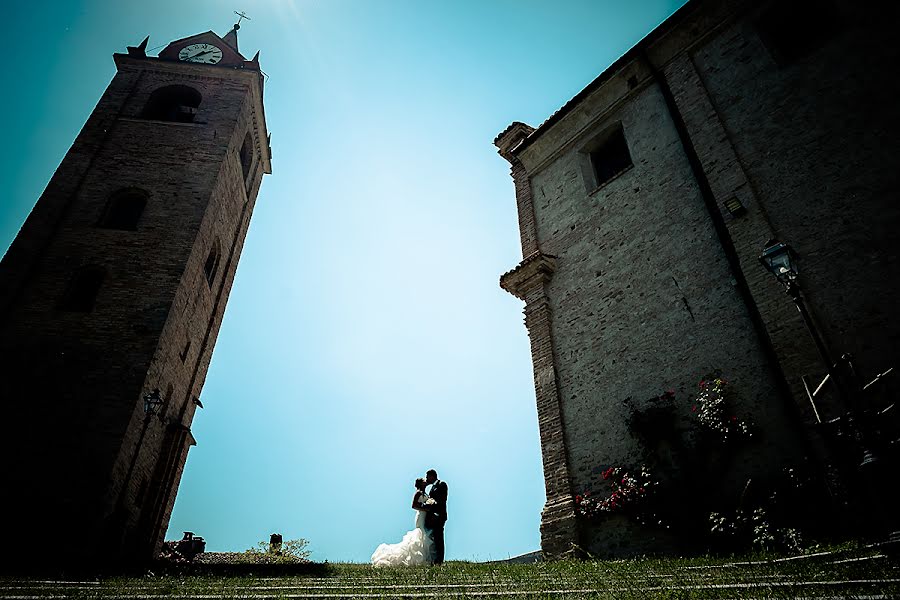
<point>291,551</point>
<point>169,553</point>
<point>710,411</point>
<point>629,495</point>
<point>743,529</point>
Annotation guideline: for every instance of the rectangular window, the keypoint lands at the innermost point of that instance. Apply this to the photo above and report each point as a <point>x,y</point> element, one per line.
<point>83,290</point>
<point>791,29</point>
<point>609,156</point>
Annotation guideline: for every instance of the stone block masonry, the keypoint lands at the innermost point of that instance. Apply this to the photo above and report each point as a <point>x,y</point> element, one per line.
<point>656,283</point>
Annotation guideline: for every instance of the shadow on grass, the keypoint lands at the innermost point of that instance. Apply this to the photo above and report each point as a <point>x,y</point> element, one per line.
<point>161,568</point>
<point>308,569</point>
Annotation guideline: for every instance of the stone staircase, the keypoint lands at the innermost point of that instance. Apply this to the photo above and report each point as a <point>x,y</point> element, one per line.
<point>867,575</point>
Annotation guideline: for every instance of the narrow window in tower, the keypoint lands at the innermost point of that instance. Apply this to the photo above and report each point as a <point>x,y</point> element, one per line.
<point>184,353</point>
<point>212,264</point>
<point>141,494</point>
<point>82,291</point>
<point>177,103</point>
<point>794,28</point>
<point>124,209</point>
<point>167,400</point>
<point>609,156</point>
<point>246,155</point>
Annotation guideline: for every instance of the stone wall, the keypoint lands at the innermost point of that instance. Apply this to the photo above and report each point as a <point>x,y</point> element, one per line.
<point>657,285</point>
<point>816,138</point>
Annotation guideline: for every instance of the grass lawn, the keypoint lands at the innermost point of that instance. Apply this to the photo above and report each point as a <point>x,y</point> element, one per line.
<point>838,573</point>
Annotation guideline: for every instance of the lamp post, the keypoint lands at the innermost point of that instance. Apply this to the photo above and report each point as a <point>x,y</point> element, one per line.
<point>152,403</point>
<point>115,527</point>
<point>778,259</point>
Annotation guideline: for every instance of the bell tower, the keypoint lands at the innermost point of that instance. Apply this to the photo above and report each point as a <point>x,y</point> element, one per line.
<point>112,295</point>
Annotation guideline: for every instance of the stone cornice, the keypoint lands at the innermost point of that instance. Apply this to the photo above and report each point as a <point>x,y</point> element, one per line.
<point>534,270</point>
<point>510,138</point>
<point>247,69</point>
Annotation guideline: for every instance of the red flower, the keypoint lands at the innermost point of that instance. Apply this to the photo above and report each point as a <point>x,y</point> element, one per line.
<point>694,408</point>
<point>733,419</point>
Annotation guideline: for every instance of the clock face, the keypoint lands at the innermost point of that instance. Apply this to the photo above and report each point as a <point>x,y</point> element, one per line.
<point>201,53</point>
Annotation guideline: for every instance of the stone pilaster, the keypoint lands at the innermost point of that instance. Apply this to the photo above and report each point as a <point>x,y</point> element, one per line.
<point>525,207</point>
<point>507,142</point>
<point>558,526</point>
<point>559,529</point>
<point>748,231</point>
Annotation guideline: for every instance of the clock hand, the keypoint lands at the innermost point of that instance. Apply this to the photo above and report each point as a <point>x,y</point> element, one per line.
<point>192,56</point>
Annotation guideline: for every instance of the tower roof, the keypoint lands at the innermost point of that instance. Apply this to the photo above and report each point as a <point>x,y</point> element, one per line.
<point>231,37</point>
<point>228,44</point>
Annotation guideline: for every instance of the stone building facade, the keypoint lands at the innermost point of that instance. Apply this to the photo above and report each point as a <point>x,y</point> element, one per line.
<point>644,204</point>
<point>113,293</point>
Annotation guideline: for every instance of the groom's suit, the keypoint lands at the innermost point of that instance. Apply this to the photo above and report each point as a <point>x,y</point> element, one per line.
<point>436,517</point>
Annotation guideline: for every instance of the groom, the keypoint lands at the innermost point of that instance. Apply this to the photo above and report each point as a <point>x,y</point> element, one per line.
<point>437,513</point>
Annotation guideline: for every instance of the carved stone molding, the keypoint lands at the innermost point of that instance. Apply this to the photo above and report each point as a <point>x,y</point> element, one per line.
<point>559,528</point>
<point>534,271</point>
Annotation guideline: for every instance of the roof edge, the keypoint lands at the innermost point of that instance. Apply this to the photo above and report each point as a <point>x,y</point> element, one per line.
<point>655,34</point>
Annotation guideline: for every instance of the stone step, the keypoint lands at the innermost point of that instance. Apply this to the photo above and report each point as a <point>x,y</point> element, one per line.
<point>807,588</point>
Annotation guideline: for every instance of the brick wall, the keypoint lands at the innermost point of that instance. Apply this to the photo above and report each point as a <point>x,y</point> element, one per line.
<point>99,473</point>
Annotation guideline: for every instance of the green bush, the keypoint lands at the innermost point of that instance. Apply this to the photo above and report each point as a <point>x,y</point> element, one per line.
<point>292,551</point>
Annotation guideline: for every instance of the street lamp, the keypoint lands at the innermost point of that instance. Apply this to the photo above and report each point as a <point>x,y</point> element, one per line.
<point>778,259</point>
<point>152,403</point>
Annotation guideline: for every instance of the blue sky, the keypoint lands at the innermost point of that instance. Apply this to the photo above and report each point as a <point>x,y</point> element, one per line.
<point>366,338</point>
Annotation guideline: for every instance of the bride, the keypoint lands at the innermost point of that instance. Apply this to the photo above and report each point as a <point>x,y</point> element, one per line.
<point>416,546</point>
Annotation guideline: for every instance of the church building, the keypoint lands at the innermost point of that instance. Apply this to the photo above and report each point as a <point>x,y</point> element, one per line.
<point>112,295</point>
<point>644,206</point>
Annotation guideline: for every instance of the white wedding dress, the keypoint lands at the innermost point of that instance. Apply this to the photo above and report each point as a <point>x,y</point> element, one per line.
<point>414,549</point>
